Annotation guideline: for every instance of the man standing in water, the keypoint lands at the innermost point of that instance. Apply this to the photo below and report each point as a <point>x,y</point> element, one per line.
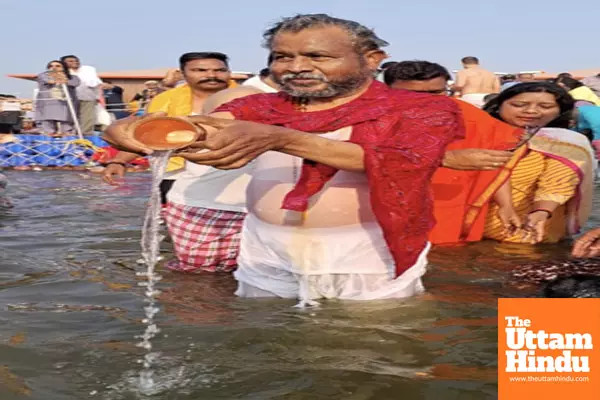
<point>206,206</point>
<point>473,83</point>
<point>339,201</point>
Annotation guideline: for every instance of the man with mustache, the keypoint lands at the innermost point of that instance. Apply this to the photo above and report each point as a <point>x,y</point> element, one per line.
<point>339,204</point>
<point>205,206</point>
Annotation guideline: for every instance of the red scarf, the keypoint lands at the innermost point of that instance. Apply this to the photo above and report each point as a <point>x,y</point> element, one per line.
<point>403,134</point>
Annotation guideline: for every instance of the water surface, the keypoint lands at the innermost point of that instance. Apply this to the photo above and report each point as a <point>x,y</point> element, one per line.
<point>70,308</point>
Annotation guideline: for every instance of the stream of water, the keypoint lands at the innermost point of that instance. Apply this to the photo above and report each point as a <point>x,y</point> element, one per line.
<point>151,239</point>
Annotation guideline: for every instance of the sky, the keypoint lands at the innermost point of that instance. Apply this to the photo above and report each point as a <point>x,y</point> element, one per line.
<point>507,36</point>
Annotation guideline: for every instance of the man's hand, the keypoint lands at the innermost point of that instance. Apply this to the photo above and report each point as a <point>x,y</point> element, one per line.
<point>232,144</point>
<point>111,171</point>
<point>120,135</point>
<point>587,246</point>
<point>475,159</point>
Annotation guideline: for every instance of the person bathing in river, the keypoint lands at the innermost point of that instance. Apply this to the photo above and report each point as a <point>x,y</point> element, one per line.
<point>470,165</point>
<point>551,175</point>
<point>339,204</point>
<point>205,206</point>
<point>473,83</point>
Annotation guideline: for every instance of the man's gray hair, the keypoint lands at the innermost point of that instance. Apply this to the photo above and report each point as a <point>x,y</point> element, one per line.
<point>364,38</point>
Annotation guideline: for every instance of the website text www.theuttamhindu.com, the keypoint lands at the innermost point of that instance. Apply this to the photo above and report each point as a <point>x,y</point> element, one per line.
<point>549,379</point>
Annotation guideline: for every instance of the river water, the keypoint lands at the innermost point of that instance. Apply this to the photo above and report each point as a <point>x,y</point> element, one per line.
<point>70,307</point>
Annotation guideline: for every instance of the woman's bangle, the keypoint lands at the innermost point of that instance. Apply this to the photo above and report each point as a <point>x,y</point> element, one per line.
<point>542,210</point>
<point>117,163</point>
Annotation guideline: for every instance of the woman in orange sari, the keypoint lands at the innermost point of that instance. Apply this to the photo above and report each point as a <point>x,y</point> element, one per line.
<point>550,175</point>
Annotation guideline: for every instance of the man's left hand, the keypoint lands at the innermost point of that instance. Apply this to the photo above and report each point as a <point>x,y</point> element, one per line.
<point>232,144</point>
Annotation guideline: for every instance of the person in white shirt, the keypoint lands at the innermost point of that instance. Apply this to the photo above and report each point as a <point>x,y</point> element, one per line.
<point>207,206</point>
<point>88,92</point>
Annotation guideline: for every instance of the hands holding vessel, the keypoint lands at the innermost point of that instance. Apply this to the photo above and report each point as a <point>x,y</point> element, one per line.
<point>221,143</point>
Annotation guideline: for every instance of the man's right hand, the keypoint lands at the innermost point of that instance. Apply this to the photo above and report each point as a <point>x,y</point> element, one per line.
<point>475,159</point>
<point>111,172</point>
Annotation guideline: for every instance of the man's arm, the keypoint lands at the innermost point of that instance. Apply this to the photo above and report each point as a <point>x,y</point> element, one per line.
<point>418,141</point>
<point>460,82</point>
<point>496,85</point>
<point>225,96</point>
<point>341,155</point>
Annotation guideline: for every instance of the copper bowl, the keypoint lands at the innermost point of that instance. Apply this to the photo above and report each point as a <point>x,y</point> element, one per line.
<point>166,133</point>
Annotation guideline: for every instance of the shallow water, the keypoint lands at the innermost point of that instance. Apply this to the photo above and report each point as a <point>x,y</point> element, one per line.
<point>70,308</point>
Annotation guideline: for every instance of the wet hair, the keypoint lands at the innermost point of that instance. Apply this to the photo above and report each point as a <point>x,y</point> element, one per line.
<point>563,74</point>
<point>387,65</point>
<point>64,65</point>
<point>490,97</point>
<point>569,82</point>
<point>208,55</point>
<point>264,72</point>
<point>563,99</point>
<point>415,71</point>
<point>576,286</point>
<point>470,60</point>
<point>364,38</point>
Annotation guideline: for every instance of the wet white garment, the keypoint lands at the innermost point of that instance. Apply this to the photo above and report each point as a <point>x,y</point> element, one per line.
<point>258,83</point>
<point>474,98</point>
<point>351,262</point>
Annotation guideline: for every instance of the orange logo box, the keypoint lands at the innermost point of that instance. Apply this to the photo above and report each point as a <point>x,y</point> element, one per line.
<point>548,349</point>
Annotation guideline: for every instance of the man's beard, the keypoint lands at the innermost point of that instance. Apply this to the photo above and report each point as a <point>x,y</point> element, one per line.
<point>333,89</point>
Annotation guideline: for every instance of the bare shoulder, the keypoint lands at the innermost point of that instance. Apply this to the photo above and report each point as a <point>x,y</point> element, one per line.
<point>227,95</point>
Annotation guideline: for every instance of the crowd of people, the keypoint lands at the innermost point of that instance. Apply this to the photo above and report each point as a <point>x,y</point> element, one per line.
<point>316,180</point>
<point>69,93</point>
<point>331,174</point>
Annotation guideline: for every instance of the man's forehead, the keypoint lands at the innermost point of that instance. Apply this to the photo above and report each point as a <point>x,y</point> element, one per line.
<point>205,63</point>
<point>434,83</point>
<point>312,39</point>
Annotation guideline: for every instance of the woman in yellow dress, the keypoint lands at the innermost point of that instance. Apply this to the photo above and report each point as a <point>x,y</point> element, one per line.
<point>578,90</point>
<point>551,173</point>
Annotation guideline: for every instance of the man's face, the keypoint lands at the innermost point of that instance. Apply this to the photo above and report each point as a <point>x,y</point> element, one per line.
<point>432,86</point>
<point>208,75</point>
<point>55,66</point>
<point>319,62</point>
<point>72,62</point>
